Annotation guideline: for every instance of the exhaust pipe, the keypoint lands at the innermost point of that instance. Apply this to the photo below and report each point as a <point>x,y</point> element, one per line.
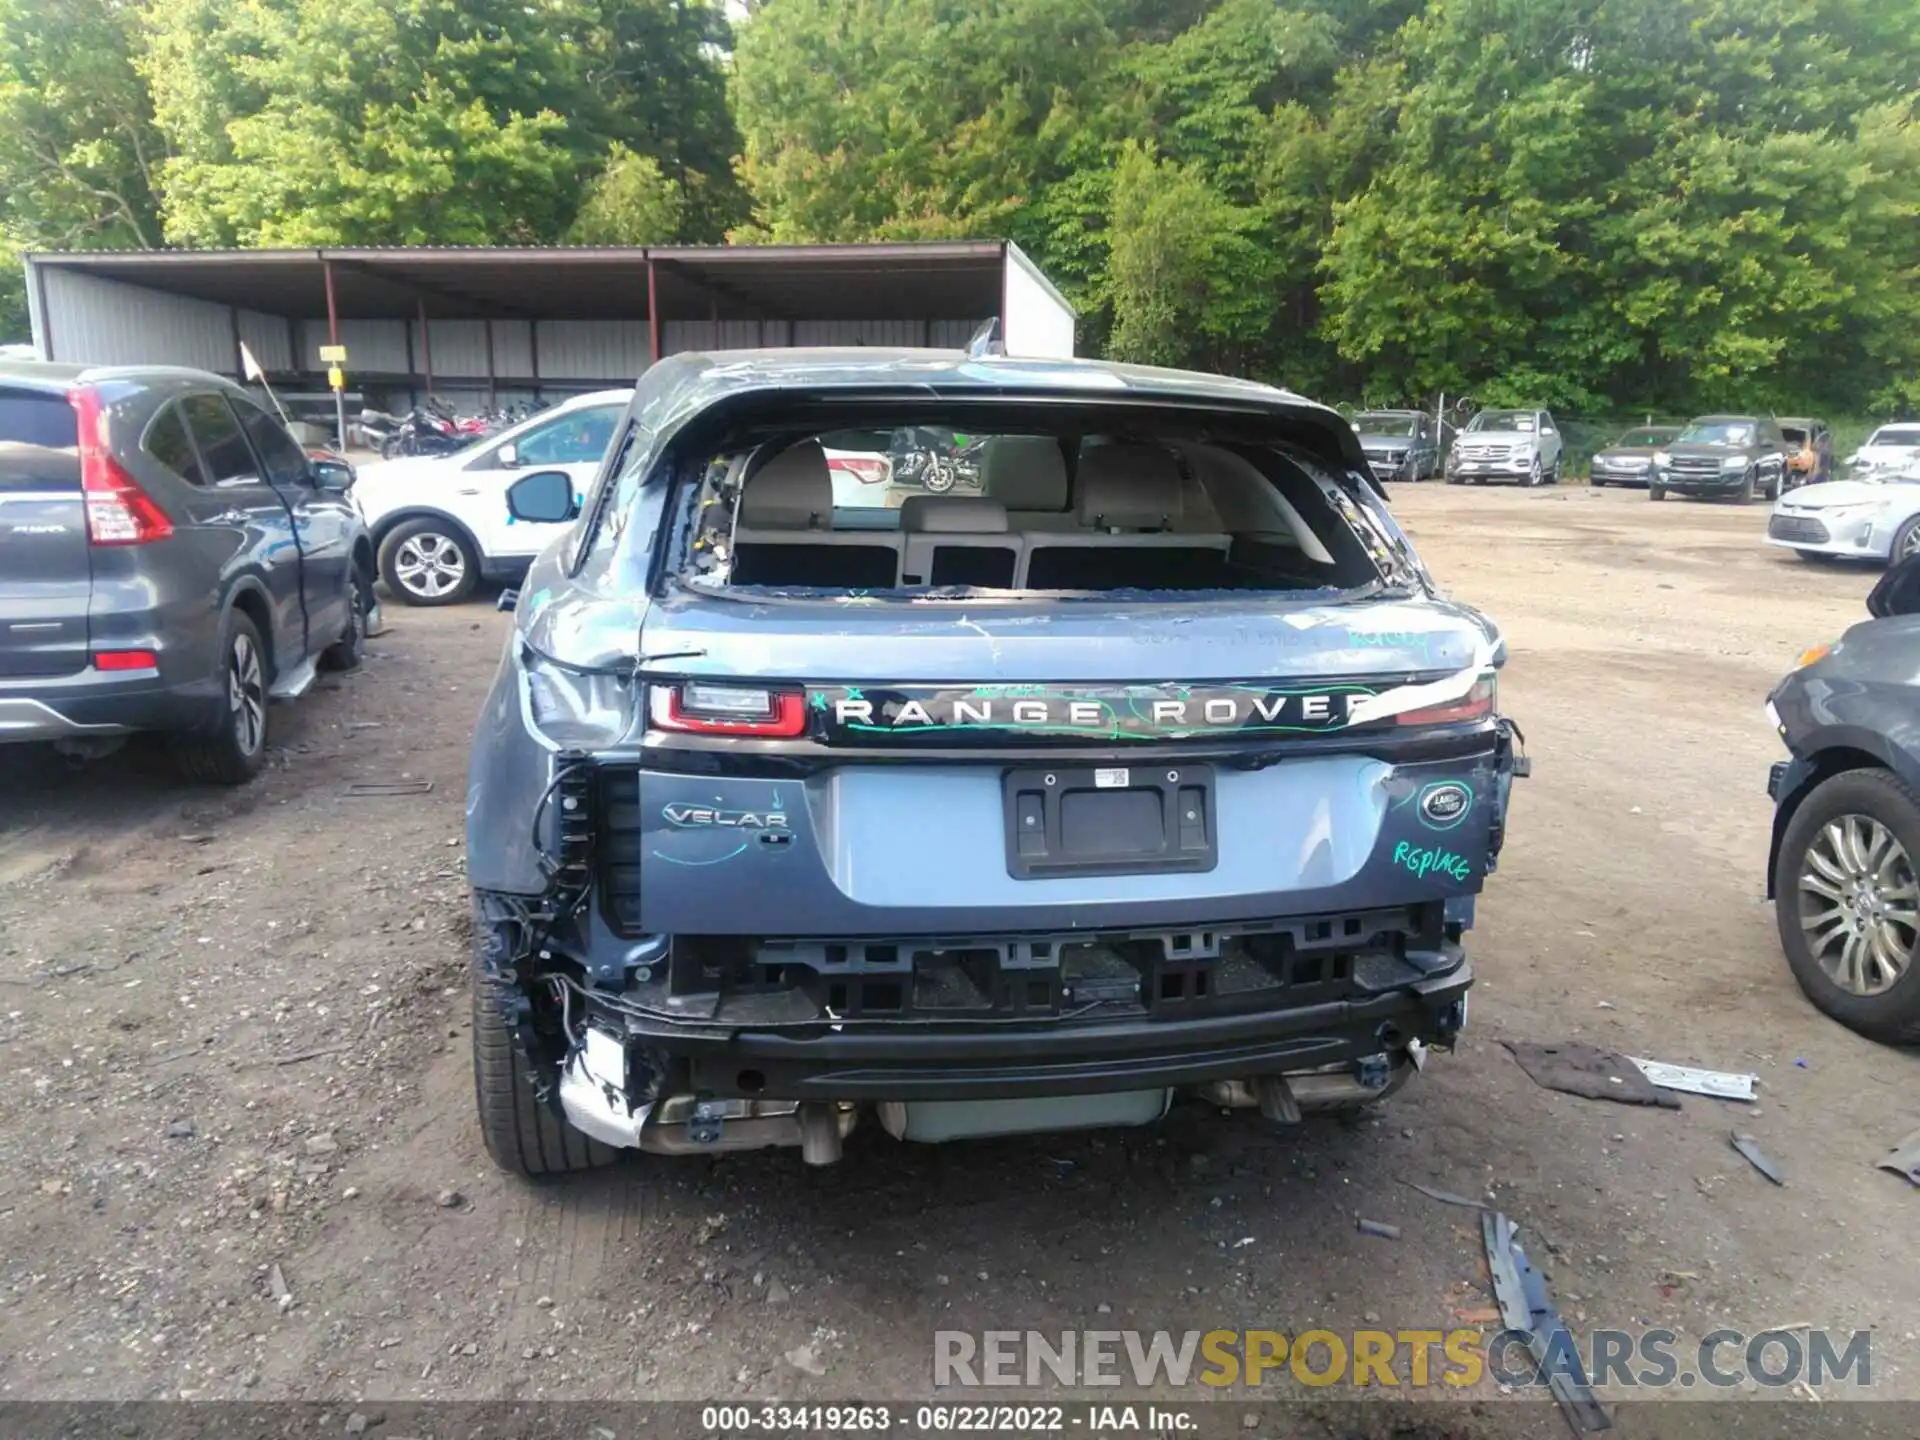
<point>1276,1099</point>
<point>820,1133</point>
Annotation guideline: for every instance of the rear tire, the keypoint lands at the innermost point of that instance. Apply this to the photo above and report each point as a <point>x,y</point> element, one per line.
<point>428,562</point>
<point>523,1135</point>
<point>1892,1015</point>
<point>350,649</point>
<point>232,746</point>
<point>1906,540</point>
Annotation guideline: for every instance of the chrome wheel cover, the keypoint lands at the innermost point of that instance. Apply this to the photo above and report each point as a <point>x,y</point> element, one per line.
<point>247,696</point>
<point>1859,904</point>
<point>429,565</point>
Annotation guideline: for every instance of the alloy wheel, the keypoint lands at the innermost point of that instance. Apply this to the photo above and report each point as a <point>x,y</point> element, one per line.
<point>1859,904</point>
<point>1909,543</point>
<point>247,696</point>
<point>429,565</point>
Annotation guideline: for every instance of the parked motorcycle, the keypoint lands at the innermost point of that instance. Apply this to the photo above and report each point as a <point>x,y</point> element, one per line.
<point>936,462</point>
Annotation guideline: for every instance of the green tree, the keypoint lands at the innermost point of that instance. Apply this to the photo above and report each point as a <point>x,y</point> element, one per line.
<point>427,121</point>
<point>629,203</point>
<point>77,140</point>
<point>907,119</point>
<point>1189,279</point>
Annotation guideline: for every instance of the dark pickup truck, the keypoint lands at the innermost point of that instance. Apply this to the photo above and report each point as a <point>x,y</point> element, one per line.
<point>170,560</point>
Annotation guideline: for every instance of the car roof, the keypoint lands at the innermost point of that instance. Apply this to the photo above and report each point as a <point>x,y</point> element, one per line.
<point>1803,421</point>
<point>722,372</point>
<point>681,387</point>
<point>1389,412</point>
<point>1725,420</point>
<point>595,397</point>
<point>64,375</point>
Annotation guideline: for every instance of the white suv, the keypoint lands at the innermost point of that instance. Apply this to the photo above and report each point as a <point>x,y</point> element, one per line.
<point>440,522</point>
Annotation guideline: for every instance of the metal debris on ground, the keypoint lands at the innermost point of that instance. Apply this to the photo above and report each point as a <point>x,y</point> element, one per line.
<point>1573,1068</point>
<point>1904,1158</point>
<point>1527,1309</point>
<point>1756,1157</point>
<point>1447,1197</point>
<point>375,789</point>
<point>1380,1228</point>
<point>1720,1084</point>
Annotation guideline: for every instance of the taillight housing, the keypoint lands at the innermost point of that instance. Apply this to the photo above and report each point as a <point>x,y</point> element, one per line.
<point>868,470</point>
<point>119,512</point>
<point>701,707</point>
<point>125,660</point>
<point>1476,704</point>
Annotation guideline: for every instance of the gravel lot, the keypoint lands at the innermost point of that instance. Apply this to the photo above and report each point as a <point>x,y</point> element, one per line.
<point>237,1156</point>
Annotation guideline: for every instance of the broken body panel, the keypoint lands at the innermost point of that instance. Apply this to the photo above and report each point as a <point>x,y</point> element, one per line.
<point>1255,823</point>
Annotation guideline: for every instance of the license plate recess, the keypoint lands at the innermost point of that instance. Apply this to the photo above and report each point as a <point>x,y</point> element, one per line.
<point>1110,820</point>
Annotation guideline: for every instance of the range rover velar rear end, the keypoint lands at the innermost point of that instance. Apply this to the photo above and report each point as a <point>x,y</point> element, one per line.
<point>1149,764</point>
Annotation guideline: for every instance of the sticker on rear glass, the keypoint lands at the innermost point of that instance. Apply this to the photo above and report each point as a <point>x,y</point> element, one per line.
<point>1116,779</point>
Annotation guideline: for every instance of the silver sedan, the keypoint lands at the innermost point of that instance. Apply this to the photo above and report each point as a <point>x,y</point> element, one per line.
<point>1862,519</point>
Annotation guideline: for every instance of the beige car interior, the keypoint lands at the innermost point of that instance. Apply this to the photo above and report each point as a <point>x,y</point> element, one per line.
<point>1180,516</point>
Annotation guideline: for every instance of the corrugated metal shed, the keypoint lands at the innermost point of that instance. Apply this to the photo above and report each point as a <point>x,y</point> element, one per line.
<point>494,321</point>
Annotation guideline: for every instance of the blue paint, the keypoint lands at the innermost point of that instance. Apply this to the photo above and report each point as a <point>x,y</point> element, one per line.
<point>741,849</point>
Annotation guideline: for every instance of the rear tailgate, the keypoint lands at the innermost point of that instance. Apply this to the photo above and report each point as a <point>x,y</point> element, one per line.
<point>46,575</point>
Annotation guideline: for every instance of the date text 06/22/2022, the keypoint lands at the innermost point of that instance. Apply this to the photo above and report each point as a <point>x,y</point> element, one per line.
<point>950,1419</point>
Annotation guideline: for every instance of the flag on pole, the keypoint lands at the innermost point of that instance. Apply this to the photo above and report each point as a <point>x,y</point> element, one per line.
<point>250,367</point>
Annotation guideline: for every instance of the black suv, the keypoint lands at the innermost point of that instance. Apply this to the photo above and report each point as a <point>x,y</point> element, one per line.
<point>1735,456</point>
<point>170,560</point>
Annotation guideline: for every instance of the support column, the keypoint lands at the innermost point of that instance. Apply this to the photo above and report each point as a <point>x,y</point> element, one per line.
<point>490,389</point>
<point>426,346</point>
<point>333,338</point>
<point>653,313</point>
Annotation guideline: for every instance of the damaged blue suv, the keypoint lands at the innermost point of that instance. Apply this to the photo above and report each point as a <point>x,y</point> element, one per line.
<point>1155,766</point>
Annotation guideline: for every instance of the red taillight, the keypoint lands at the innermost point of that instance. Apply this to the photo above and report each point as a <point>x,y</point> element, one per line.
<point>699,708</point>
<point>1476,704</point>
<point>119,512</point>
<point>866,471</point>
<point>125,660</point>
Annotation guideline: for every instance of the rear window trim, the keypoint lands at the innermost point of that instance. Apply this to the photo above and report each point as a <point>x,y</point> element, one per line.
<point>172,407</point>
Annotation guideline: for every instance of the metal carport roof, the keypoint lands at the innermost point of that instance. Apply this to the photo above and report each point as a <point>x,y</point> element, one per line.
<point>941,279</point>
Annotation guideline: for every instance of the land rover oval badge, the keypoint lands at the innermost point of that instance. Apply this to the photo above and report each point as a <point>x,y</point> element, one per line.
<point>1445,804</point>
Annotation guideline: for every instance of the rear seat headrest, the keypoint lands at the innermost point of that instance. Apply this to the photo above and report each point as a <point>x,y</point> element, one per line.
<point>792,491</point>
<point>1128,487</point>
<point>1024,472</point>
<point>953,515</point>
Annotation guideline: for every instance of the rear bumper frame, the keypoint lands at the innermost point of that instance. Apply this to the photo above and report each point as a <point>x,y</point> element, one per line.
<point>1008,1059</point>
<point>93,704</point>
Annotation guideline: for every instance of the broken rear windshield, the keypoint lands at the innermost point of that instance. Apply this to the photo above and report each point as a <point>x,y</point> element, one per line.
<point>936,509</point>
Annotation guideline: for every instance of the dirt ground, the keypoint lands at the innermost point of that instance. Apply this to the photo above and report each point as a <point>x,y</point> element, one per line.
<point>237,1156</point>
